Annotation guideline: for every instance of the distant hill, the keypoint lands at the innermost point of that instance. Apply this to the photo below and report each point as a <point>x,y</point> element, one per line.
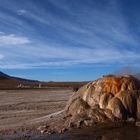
<point>7,81</point>
<point>3,76</point>
<point>10,82</point>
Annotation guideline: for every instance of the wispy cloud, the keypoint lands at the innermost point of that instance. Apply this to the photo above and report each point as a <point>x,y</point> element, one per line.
<point>1,56</point>
<point>21,12</point>
<point>70,35</point>
<point>67,57</point>
<point>13,40</point>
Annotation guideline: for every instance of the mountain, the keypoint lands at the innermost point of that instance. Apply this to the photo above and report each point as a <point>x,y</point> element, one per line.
<point>3,76</point>
<point>10,82</point>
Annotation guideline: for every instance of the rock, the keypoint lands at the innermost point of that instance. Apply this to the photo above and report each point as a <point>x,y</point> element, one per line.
<point>109,114</point>
<point>43,131</point>
<point>117,108</point>
<point>79,123</point>
<point>110,98</point>
<point>128,100</point>
<point>70,125</point>
<point>63,130</point>
<point>138,108</point>
<point>137,124</point>
<point>132,120</point>
<point>78,107</point>
<point>88,122</point>
<point>43,128</point>
<point>104,100</point>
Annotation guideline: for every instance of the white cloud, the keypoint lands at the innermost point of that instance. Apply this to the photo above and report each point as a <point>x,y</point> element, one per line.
<point>13,40</point>
<point>90,36</point>
<point>21,12</point>
<point>1,32</point>
<point>1,56</point>
<point>67,57</point>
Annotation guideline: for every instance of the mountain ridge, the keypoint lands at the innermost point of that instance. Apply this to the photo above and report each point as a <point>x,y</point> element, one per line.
<point>11,82</point>
<point>7,81</point>
<point>3,75</point>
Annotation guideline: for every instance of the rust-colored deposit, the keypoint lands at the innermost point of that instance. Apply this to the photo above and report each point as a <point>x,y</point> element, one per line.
<point>111,84</point>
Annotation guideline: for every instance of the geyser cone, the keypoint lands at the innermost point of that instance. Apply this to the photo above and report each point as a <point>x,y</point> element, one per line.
<point>109,98</point>
<point>119,94</point>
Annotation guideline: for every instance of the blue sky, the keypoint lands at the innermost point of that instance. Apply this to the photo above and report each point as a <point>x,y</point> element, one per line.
<point>68,40</point>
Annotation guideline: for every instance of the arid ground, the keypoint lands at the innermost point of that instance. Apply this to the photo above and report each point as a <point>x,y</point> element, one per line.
<point>20,106</point>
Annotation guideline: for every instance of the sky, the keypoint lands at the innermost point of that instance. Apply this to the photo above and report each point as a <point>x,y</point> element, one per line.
<point>68,40</point>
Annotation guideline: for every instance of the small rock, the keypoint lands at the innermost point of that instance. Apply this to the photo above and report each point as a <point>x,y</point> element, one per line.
<point>40,128</point>
<point>71,125</point>
<point>44,128</point>
<point>59,131</point>
<point>88,122</point>
<point>131,120</point>
<point>63,130</point>
<point>137,124</point>
<point>42,131</point>
<point>79,123</point>
<point>45,131</point>
<point>50,132</point>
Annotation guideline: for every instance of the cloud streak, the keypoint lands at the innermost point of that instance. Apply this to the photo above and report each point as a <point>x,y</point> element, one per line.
<point>21,12</point>
<point>13,40</point>
<point>73,33</point>
<point>1,56</point>
<point>61,57</point>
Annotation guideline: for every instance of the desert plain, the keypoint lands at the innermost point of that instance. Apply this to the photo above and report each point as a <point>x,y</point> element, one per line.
<point>20,106</point>
<point>20,110</point>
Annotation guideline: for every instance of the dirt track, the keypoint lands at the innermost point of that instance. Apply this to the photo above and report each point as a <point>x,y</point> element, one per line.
<point>19,106</point>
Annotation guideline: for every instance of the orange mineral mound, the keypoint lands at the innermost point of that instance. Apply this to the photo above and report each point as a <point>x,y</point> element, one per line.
<point>117,95</point>
<point>109,98</point>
